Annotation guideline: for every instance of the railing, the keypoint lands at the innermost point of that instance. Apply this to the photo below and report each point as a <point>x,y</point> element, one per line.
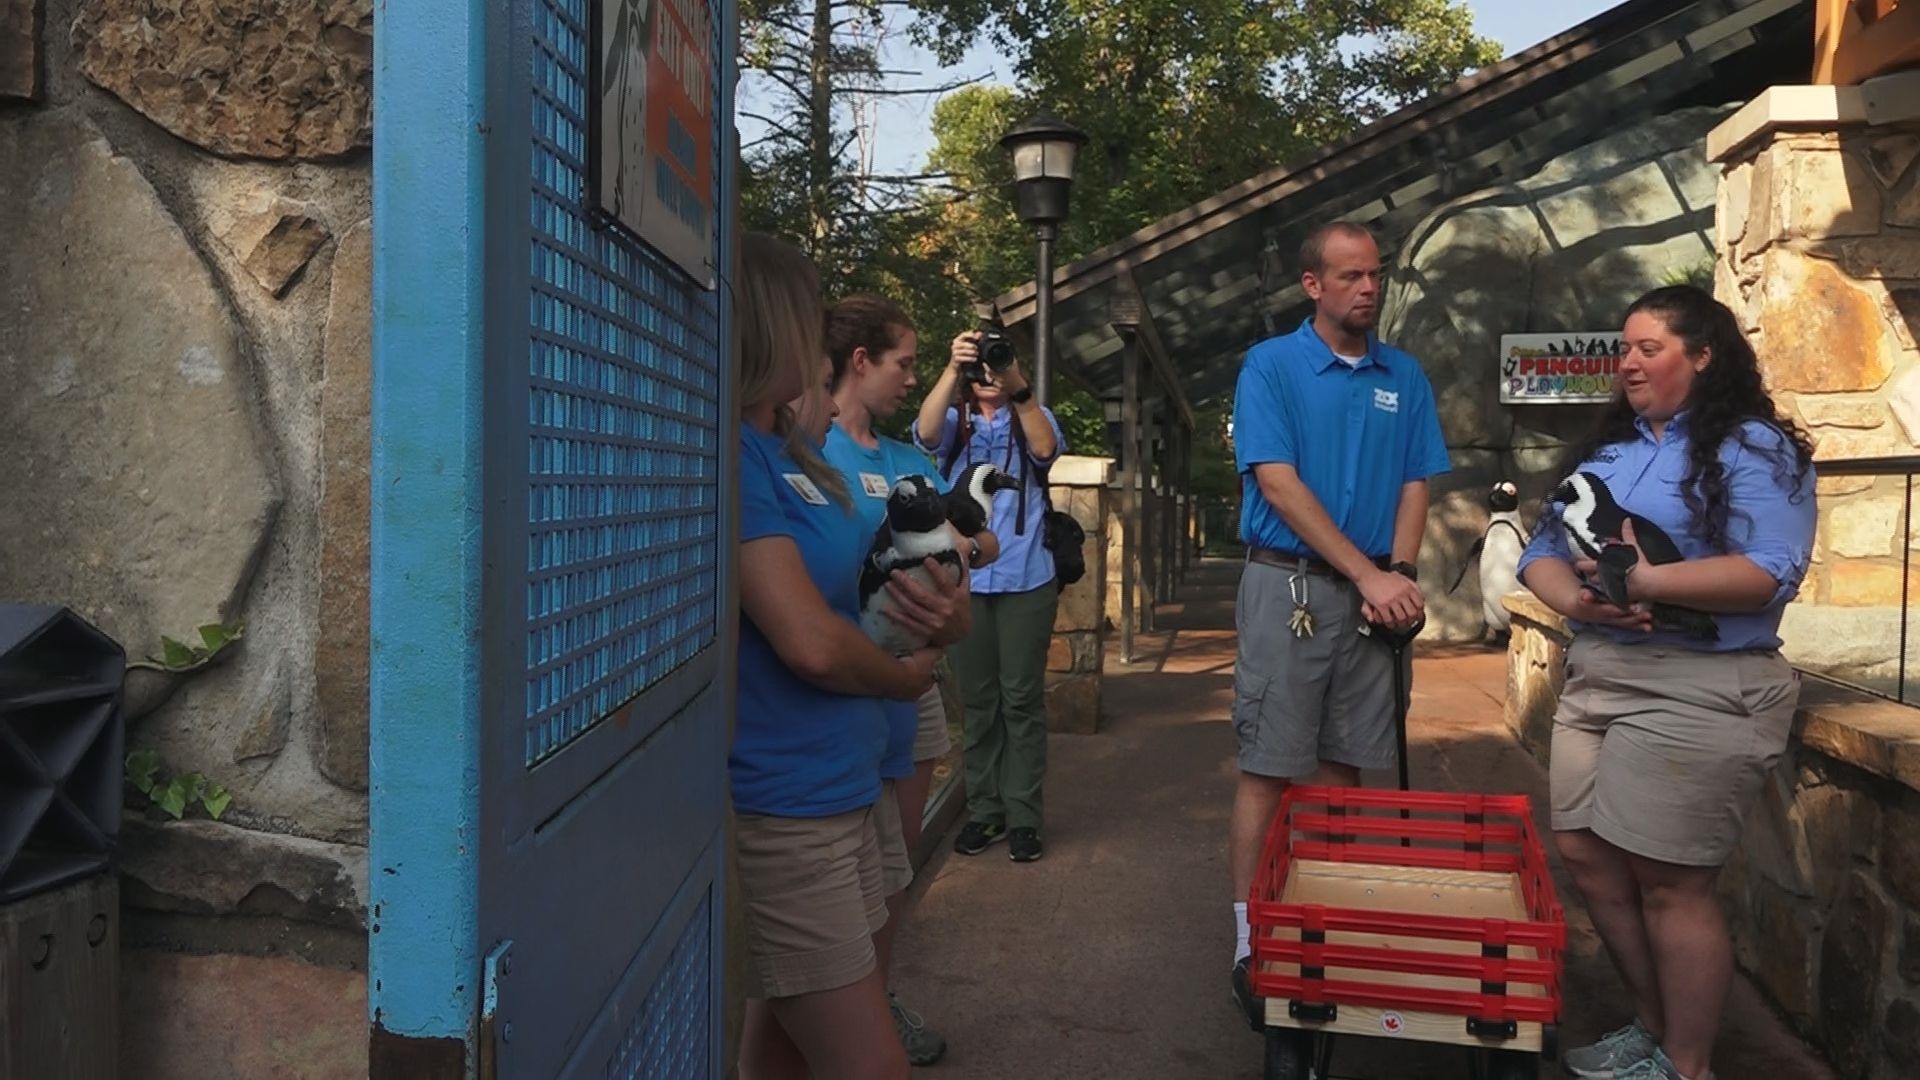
<point>1854,620</point>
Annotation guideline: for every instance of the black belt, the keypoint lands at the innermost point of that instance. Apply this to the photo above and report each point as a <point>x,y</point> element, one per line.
<point>1305,563</point>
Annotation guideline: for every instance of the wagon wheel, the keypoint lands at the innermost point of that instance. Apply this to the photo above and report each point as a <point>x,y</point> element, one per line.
<point>1289,1054</point>
<point>1511,1065</point>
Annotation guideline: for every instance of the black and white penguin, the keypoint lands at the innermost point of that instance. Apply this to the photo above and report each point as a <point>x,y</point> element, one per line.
<point>1498,549</point>
<point>1593,521</point>
<point>914,530</point>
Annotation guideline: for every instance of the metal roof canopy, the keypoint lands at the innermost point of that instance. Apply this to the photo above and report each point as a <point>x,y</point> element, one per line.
<point>1217,277</point>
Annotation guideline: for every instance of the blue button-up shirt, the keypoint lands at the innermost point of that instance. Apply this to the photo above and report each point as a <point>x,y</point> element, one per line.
<point>1770,520</point>
<point>1025,563</point>
<point>1356,434</point>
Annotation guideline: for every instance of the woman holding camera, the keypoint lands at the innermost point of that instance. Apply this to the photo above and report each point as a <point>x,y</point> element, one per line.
<point>982,409</point>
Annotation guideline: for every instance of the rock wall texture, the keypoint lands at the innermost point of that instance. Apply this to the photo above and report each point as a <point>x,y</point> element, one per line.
<point>1567,248</point>
<point>1819,243</point>
<point>184,335</point>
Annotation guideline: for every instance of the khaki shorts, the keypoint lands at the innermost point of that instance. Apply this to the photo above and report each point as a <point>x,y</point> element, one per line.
<point>896,863</point>
<point>1300,701</point>
<point>812,899</point>
<point>1662,751</point>
<point>931,742</point>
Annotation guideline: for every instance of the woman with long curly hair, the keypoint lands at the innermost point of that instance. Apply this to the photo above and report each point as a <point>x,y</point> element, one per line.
<point>1677,702</point>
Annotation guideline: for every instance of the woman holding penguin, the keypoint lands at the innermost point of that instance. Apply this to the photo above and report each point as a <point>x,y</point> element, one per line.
<point>810,727</point>
<point>1683,529</point>
<point>871,346</point>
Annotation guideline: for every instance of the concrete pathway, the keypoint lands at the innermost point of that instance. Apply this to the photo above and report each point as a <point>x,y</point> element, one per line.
<point>1109,958</point>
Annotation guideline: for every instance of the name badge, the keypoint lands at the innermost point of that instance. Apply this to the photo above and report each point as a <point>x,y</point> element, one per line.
<point>875,485</point>
<point>805,488</point>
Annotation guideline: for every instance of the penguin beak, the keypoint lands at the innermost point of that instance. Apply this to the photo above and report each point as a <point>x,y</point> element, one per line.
<point>1000,481</point>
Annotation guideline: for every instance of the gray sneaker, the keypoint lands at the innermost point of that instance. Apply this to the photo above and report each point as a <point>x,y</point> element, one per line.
<point>1657,1067</point>
<point>924,1045</point>
<point>1613,1054</point>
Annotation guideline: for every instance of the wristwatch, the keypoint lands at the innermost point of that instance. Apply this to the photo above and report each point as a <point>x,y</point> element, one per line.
<point>1021,396</point>
<point>973,553</point>
<point>1406,570</point>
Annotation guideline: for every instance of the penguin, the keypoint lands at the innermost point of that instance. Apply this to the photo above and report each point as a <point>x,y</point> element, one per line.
<point>914,530</point>
<point>1498,549</point>
<point>1594,521</point>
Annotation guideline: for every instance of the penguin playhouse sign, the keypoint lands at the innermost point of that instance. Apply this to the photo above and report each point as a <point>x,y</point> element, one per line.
<point>1559,369</point>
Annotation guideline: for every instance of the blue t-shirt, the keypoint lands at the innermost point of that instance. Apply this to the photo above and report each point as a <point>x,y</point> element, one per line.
<point>1356,434</point>
<point>870,474</point>
<point>1770,520</point>
<point>1024,563</point>
<point>799,750</point>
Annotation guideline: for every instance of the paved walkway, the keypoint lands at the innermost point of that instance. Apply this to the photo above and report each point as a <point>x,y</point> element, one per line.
<point>1109,958</point>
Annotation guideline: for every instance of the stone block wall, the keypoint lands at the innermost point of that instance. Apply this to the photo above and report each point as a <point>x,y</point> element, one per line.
<point>184,293</point>
<point>1077,653</point>
<point>1819,256</point>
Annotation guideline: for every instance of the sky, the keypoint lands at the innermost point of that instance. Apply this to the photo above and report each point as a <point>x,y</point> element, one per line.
<point>903,126</point>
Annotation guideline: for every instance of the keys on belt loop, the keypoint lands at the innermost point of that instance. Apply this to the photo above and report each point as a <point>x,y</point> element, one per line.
<point>1301,621</point>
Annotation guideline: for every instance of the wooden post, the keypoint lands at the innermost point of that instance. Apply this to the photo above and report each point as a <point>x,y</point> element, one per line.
<point>1149,563</point>
<point>1855,40</point>
<point>1129,476</point>
<point>59,982</point>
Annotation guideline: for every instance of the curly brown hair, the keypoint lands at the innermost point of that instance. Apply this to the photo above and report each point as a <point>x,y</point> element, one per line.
<point>1728,393</point>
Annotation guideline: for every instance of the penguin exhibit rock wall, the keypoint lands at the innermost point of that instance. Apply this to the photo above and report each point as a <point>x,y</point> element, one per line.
<point>1562,251</point>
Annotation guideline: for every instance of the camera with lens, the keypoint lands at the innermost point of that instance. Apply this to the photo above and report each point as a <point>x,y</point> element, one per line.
<point>996,355</point>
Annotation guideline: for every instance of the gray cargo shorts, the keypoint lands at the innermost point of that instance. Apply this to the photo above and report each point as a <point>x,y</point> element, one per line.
<point>1300,701</point>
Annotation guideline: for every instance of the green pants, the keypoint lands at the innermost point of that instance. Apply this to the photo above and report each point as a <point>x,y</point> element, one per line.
<point>1002,670</point>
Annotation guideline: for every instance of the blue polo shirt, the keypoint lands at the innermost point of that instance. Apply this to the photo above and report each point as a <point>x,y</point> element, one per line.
<point>798,750</point>
<point>870,473</point>
<point>1025,563</point>
<point>1770,520</point>
<point>1356,433</point>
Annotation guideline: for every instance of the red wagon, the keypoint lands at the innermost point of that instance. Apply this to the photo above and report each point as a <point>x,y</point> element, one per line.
<point>1409,915</point>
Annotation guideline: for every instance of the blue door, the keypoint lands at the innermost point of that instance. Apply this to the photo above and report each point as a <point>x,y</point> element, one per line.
<point>551,599</point>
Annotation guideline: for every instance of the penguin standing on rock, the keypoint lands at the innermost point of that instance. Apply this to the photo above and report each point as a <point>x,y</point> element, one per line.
<point>1498,549</point>
<point>1594,521</point>
<point>915,529</point>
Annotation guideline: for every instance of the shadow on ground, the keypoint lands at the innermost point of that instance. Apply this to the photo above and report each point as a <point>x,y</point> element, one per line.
<point>1109,958</point>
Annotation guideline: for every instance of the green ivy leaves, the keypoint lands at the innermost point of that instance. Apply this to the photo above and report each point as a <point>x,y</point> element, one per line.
<point>176,794</point>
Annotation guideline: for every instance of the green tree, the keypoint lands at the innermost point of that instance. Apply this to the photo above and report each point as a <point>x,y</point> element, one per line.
<point>1180,100</point>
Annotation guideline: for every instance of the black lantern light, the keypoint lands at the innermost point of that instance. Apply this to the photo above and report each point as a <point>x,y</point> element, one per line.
<point>1043,150</point>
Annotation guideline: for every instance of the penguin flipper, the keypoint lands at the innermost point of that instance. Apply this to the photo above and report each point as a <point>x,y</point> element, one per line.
<point>1614,563</point>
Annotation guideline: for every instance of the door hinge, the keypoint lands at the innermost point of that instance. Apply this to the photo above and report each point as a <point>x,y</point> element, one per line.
<point>493,1029</point>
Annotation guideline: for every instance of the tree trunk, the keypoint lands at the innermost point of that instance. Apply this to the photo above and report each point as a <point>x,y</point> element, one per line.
<point>820,131</point>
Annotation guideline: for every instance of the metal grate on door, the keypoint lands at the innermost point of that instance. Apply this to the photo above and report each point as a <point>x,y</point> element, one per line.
<point>669,1037</point>
<point>623,382</point>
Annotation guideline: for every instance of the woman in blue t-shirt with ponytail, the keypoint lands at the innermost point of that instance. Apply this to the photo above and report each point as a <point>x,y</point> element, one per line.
<point>809,729</point>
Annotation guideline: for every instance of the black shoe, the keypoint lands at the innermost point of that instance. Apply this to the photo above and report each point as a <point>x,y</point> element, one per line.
<point>1243,997</point>
<point>1023,845</point>
<point>977,837</point>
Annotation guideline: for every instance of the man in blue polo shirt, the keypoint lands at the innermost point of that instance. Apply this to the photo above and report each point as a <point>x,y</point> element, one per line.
<point>1335,435</point>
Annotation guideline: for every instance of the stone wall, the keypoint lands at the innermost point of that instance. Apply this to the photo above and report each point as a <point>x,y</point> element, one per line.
<point>1077,653</point>
<point>1819,255</point>
<point>184,290</point>
<point>1823,894</point>
<point>1567,248</point>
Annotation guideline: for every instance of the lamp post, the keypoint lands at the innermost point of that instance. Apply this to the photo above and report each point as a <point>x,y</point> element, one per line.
<point>1043,149</point>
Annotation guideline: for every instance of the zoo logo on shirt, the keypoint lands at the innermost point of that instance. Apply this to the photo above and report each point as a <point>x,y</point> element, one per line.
<point>1387,400</point>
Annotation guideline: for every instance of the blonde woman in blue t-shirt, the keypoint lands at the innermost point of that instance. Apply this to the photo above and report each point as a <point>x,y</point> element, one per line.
<point>809,728</point>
